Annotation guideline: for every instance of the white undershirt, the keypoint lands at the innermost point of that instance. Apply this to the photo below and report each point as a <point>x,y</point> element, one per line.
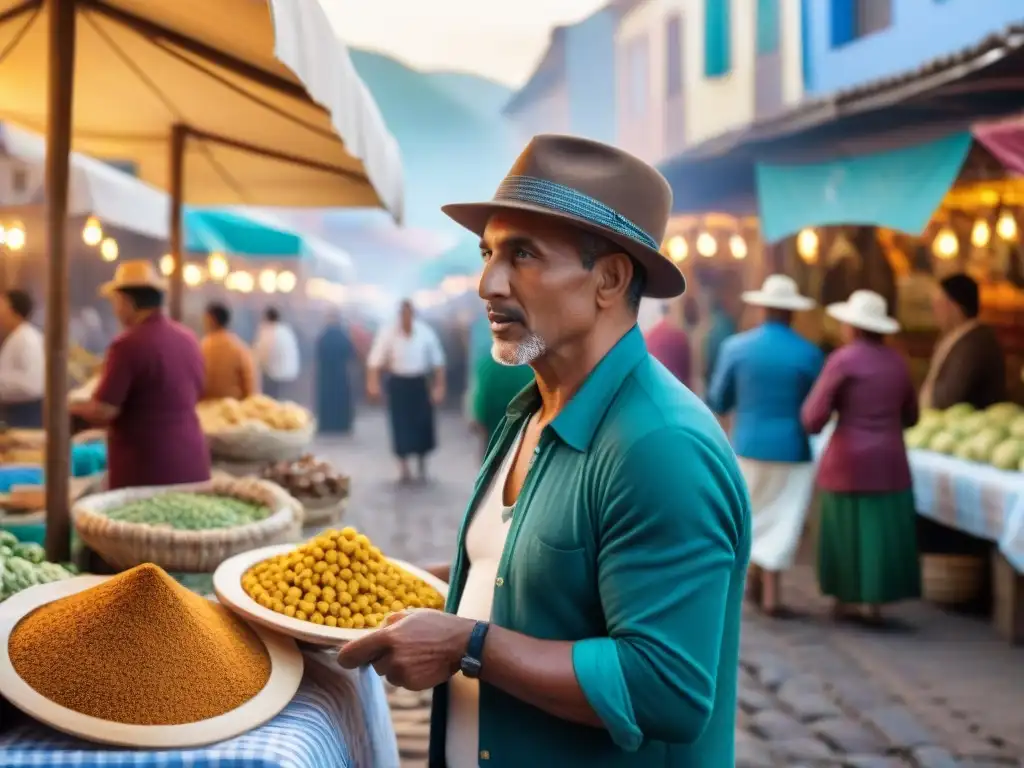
<point>485,541</point>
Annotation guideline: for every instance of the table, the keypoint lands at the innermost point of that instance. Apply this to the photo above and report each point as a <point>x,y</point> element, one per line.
<point>337,719</point>
<point>974,498</point>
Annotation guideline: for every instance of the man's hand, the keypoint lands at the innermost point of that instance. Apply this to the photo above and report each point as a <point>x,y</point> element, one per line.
<point>416,650</point>
<point>437,393</point>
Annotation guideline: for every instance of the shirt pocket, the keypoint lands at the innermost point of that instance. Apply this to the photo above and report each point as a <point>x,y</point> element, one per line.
<point>556,585</point>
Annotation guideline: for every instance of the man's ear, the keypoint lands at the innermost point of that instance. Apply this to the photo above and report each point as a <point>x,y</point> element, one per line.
<point>615,272</point>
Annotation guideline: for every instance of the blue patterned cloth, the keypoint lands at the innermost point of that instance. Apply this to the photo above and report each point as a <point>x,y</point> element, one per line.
<point>309,733</point>
<point>974,498</point>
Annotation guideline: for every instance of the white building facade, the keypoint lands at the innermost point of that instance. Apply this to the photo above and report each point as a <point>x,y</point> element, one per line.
<point>690,70</point>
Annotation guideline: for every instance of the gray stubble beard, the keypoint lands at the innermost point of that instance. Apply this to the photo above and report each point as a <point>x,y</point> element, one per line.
<point>523,352</point>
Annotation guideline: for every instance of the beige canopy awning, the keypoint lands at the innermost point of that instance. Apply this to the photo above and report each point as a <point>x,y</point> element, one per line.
<point>252,134</point>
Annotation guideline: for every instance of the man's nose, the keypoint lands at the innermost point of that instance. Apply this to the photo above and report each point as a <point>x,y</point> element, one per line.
<point>494,283</point>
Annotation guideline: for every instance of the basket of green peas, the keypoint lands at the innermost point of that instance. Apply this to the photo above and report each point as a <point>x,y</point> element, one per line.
<point>186,528</point>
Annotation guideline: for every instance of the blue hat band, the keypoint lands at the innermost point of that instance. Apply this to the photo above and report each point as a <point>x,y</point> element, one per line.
<point>562,199</point>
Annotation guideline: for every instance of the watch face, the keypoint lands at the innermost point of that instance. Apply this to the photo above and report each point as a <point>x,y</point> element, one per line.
<point>470,666</point>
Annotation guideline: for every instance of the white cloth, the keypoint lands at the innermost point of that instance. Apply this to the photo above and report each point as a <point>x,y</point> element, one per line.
<point>780,495</point>
<point>277,351</point>
<point>485,541</point>
<point>417,354</point>
<point>23,365</point>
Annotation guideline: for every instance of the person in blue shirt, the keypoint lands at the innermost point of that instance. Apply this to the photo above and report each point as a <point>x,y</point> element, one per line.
<point>763,377</point>
<point>593,614</point>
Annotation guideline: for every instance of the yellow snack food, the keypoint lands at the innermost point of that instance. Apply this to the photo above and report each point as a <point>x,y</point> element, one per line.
<point>366,589</point>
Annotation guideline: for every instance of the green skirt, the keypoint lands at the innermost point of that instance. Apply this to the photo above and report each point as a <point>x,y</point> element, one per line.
<point>867,549</point>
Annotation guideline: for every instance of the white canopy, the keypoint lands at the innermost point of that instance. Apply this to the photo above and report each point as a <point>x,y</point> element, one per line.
<point>96,188</point>
<point>144,68</point>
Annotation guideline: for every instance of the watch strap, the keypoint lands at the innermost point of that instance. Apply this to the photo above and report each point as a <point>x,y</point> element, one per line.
<point>472,662</point>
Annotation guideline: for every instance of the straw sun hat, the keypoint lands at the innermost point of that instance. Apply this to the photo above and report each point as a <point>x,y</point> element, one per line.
<point>865,310</point>
<point>134,274</point>
<point>778,292</point>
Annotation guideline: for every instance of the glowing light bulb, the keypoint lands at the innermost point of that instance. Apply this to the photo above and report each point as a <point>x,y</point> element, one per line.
<point>167,265</point>
<point>707,246</point>
<point>678,249</point>
<point>981,233</point>
<point>1006,226</point>
<point>807,245</point>
<point>268,281</point>
<point>286,281</point>
<point>109,249</point>
<point>217,266</point>
<point>15,237</point>
<point>946,246</point>
<point>738,247</point>
<point>192,275</point>
<point>92,232</point>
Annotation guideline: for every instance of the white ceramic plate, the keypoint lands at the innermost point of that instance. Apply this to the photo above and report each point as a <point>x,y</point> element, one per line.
<point>285,676</point>
<point>227,583</point>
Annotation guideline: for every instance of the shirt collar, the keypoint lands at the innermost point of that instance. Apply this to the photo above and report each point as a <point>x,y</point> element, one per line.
<point>580,417</point>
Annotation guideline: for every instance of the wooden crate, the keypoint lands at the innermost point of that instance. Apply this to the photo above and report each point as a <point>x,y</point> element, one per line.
<point>1007,599</point>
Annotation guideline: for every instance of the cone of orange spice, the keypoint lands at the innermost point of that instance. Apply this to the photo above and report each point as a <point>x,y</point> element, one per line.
<point>140,649</point>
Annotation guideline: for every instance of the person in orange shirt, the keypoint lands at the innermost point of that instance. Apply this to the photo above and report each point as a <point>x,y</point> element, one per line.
<point>229,367</point>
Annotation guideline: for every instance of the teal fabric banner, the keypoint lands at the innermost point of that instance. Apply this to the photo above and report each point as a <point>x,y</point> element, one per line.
<point>898,189</point>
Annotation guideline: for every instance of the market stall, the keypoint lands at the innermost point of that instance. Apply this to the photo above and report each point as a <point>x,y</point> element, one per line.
<point>225,679</point>
<point>337,719</point>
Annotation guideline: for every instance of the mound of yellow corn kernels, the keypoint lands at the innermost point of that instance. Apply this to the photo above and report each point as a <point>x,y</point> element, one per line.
<point>338,579</point>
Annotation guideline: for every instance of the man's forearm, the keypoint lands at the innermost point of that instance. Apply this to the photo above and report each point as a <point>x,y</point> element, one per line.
<point>539,672</point>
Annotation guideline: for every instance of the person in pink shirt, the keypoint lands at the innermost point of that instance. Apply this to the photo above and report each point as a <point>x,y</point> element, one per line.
<point>670,346</point>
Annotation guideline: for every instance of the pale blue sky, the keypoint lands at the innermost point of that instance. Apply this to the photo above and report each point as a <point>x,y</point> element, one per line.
<point>500,39</point>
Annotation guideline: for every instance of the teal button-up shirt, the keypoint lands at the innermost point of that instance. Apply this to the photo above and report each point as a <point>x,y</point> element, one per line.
<point>630,538</point>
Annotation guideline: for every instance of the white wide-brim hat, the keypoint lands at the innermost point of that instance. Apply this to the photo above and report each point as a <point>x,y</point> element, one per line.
<point>779,292</point>
<point>865,310</point>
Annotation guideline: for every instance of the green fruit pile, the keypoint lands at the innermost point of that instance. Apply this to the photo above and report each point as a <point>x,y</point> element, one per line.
<point>994,436</point>
<point>190,511</point>
<point>24,565</point>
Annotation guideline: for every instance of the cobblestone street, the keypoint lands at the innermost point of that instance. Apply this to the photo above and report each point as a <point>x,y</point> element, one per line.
<point>945,693</point>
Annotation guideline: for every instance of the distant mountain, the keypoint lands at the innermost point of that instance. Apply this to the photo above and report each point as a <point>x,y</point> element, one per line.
<point>479,93</point>
<point>454,146</point>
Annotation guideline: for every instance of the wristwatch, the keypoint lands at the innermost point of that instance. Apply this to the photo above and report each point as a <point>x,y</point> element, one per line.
<point>472,662</point>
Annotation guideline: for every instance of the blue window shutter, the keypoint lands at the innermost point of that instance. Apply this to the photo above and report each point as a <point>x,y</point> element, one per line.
<point>767,26</point>
<point>717,31</point>
<point>844,22</point>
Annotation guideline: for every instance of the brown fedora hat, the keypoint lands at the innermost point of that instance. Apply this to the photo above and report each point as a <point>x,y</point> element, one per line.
<point>592,186</point>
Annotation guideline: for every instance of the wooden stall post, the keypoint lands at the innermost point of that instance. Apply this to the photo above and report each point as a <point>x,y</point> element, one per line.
<point>179,135</point>
<point>60,91</point>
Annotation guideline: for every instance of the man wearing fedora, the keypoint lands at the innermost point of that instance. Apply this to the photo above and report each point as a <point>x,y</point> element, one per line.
<point>763,376</point>
<point>152,379</point>
<point>594,610</point>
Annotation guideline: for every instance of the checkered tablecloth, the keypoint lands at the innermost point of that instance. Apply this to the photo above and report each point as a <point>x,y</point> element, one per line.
<point>336,720</point>
<point>973,498</point>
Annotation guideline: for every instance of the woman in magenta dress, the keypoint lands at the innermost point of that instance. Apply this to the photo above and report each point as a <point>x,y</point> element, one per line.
<point>152,380</point>
<point>867,552</point>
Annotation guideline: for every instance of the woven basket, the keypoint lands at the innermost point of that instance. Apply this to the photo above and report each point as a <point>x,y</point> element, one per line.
<point>320,512</point>
<point>249,443</point>
<point>951,579</point>
<point>125,545</point>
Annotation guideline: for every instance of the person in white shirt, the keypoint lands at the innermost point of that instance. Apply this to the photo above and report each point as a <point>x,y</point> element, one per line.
<point>410,353</point>
<point>22,363</point>
<point>277,352</point>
